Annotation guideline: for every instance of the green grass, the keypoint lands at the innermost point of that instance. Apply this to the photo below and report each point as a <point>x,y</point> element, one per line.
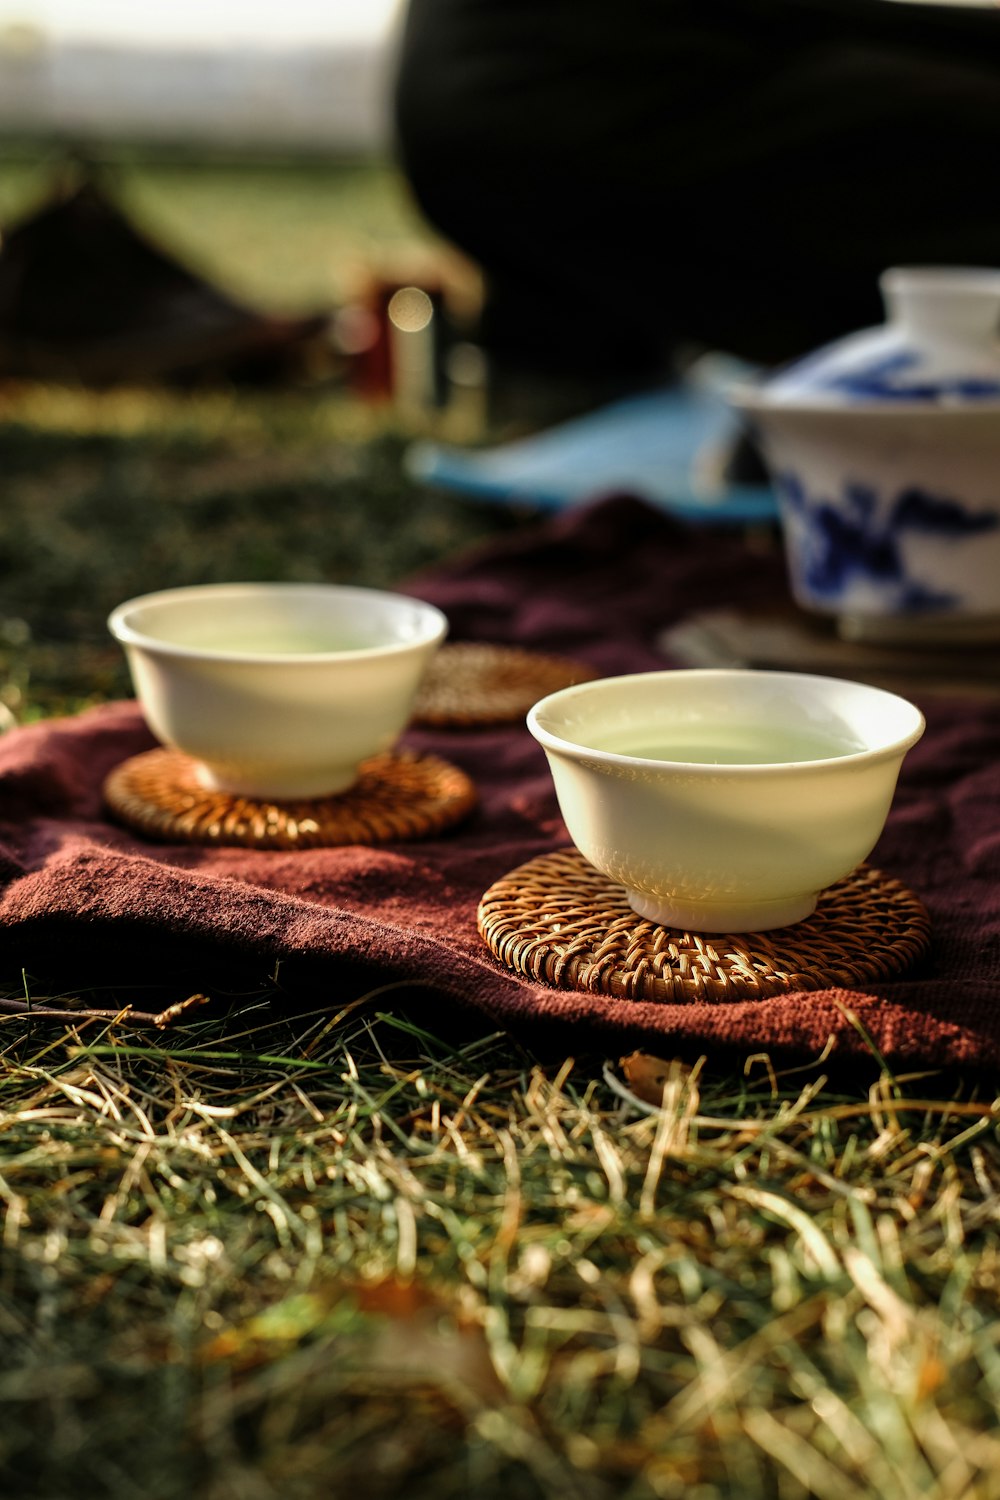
<point>296,1245</point>
<point>292,235</point>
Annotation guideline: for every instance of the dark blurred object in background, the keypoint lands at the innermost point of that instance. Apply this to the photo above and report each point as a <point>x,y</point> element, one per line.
<point>638,178</point>
<point>86,297</point>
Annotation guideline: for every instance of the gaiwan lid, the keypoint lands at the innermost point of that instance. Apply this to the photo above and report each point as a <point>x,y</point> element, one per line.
<point>939,345</point>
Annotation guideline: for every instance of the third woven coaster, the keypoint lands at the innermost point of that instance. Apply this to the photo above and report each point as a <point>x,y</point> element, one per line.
<point>397,796</point>
<point>558,920</point>
<point>472,683</point>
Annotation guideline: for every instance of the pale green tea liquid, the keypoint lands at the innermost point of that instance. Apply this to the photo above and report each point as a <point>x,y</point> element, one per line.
<point>268,641</point>
<point>736,745</point>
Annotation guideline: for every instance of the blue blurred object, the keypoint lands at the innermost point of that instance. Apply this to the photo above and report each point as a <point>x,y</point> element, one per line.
<point>669,447</point>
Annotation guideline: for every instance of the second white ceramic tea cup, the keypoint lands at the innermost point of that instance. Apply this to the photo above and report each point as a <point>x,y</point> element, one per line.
<point>277,690</point>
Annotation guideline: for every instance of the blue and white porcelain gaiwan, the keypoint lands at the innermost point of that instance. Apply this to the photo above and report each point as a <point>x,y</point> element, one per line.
<point>884,449</point>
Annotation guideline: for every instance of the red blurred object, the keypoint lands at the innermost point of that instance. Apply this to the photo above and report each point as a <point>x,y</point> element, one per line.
<point>395,338</point>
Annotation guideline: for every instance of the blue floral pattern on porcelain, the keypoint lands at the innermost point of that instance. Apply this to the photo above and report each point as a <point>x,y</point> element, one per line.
<point>881,381</point>
<point>857,538</point>
<point>940,343</point>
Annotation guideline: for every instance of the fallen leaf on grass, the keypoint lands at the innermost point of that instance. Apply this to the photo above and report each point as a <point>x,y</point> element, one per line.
<point>390,1329</point>
<point>648,1076</point>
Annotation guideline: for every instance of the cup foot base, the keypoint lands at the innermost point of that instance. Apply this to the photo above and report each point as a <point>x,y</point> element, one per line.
<point>329,784</point>
<point>722,916</point>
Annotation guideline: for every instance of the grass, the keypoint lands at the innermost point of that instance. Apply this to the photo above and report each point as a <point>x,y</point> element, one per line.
<point>286,1256</point>
<point>293,235</point>
<point>298,1246</point>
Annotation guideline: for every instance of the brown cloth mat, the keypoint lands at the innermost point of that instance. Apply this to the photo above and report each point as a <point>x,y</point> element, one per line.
<point>599,584</point>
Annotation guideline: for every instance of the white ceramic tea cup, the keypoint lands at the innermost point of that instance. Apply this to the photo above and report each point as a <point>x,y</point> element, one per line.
<point>724,801</point>
<point>277,690</point>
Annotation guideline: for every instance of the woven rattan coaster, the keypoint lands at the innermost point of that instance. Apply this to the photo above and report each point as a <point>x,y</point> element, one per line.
<point>397,796</point>
<point>557,920</point>
<point>472,683</point>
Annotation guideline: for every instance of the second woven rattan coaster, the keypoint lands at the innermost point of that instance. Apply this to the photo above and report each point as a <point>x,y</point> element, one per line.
<point>398,796</point>
<point>558,920</point>
<point>473,683</point>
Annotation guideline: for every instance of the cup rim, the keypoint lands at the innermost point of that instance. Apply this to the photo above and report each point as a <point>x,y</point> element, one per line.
<point>435,623</point>
<point>549,740</point>
<point>757,401</point>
